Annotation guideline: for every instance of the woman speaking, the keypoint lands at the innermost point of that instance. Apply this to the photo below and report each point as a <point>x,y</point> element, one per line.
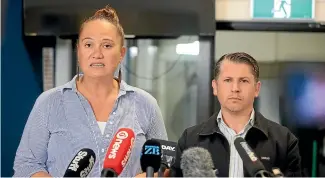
<point>87,111</point>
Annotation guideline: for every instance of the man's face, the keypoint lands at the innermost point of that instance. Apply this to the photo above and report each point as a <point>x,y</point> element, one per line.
<point>235,86</point>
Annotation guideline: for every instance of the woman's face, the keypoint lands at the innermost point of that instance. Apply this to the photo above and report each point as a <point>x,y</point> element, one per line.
<point>100,48</point>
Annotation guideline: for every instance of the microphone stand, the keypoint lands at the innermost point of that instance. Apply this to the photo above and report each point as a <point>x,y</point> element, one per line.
<point>108,173</point>
<point>263,173</point>
<point>149,172</point>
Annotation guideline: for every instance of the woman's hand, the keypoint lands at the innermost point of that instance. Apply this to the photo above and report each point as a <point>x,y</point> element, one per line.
<point>166,174</point>
<point>41,174</point>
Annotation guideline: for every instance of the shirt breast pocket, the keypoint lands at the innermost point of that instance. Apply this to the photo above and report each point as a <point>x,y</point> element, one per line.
<point>134,125</point>
<point>59,142</point>
<point>61,136</point>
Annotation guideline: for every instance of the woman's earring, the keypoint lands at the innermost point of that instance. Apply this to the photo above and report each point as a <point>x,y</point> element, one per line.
<point>120,75</point>
<point>78,72</point>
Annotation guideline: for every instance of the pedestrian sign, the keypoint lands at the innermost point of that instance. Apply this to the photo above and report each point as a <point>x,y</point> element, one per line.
<point>283,9</point>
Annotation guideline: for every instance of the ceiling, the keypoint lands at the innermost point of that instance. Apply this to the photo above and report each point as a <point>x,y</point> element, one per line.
<point>138,17</point>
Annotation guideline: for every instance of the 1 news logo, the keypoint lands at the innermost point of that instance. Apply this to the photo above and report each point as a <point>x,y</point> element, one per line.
<point>151,150</point>
<point>120,137</point>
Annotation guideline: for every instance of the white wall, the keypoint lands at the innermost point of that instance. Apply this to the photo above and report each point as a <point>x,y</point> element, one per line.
<point>273,46</point>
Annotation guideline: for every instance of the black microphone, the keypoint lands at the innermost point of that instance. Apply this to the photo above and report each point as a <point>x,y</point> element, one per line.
<point>253,165</point>
<point>168,155</point>
<point>150,157</point>
<point>81,164</point>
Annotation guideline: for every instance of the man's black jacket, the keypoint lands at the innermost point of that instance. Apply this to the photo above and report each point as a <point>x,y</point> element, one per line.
<point>274,144</point>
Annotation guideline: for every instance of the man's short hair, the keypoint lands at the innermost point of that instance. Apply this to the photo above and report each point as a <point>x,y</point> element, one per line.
<point>238,57</point>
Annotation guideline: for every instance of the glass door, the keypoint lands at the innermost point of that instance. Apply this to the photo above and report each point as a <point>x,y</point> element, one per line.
<point>175,71</point>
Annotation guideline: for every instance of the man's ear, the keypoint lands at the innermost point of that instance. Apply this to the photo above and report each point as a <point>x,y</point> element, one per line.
<point>214,87</point>
<point>257,88</point>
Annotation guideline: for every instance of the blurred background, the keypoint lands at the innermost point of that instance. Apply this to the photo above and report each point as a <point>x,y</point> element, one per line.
<point>171,49</point>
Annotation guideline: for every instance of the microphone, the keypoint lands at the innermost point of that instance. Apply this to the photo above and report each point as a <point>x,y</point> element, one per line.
<point>150,157</point>
<point>197,162</point>
<point>253,165</point>
<point>81,164</point>
<point>118,153</point>
<point>168,155</point>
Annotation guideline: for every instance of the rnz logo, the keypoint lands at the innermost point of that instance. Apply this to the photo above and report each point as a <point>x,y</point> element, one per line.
<point>151,150</point>
<point>75,162</point>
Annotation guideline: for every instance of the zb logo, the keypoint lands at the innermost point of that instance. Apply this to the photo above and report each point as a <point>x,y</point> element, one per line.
<point>151,150</point>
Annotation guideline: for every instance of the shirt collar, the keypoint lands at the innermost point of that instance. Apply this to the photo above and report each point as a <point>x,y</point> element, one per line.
<point>250,122</point>
<point>71,85</point>
<point>210,126</point>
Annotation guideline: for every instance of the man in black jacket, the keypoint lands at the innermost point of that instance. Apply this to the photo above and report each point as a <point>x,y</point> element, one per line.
<point>236,85</point>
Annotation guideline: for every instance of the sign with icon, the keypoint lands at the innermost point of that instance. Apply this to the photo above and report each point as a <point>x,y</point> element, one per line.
<point>283,9</point>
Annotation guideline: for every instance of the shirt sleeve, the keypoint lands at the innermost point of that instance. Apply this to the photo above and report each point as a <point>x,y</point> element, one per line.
<point>157,129</point>
<point>31,154</point>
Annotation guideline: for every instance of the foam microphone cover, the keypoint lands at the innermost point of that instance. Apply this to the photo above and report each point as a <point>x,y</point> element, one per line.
<point>197,162</point>
<point>151,155</point>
